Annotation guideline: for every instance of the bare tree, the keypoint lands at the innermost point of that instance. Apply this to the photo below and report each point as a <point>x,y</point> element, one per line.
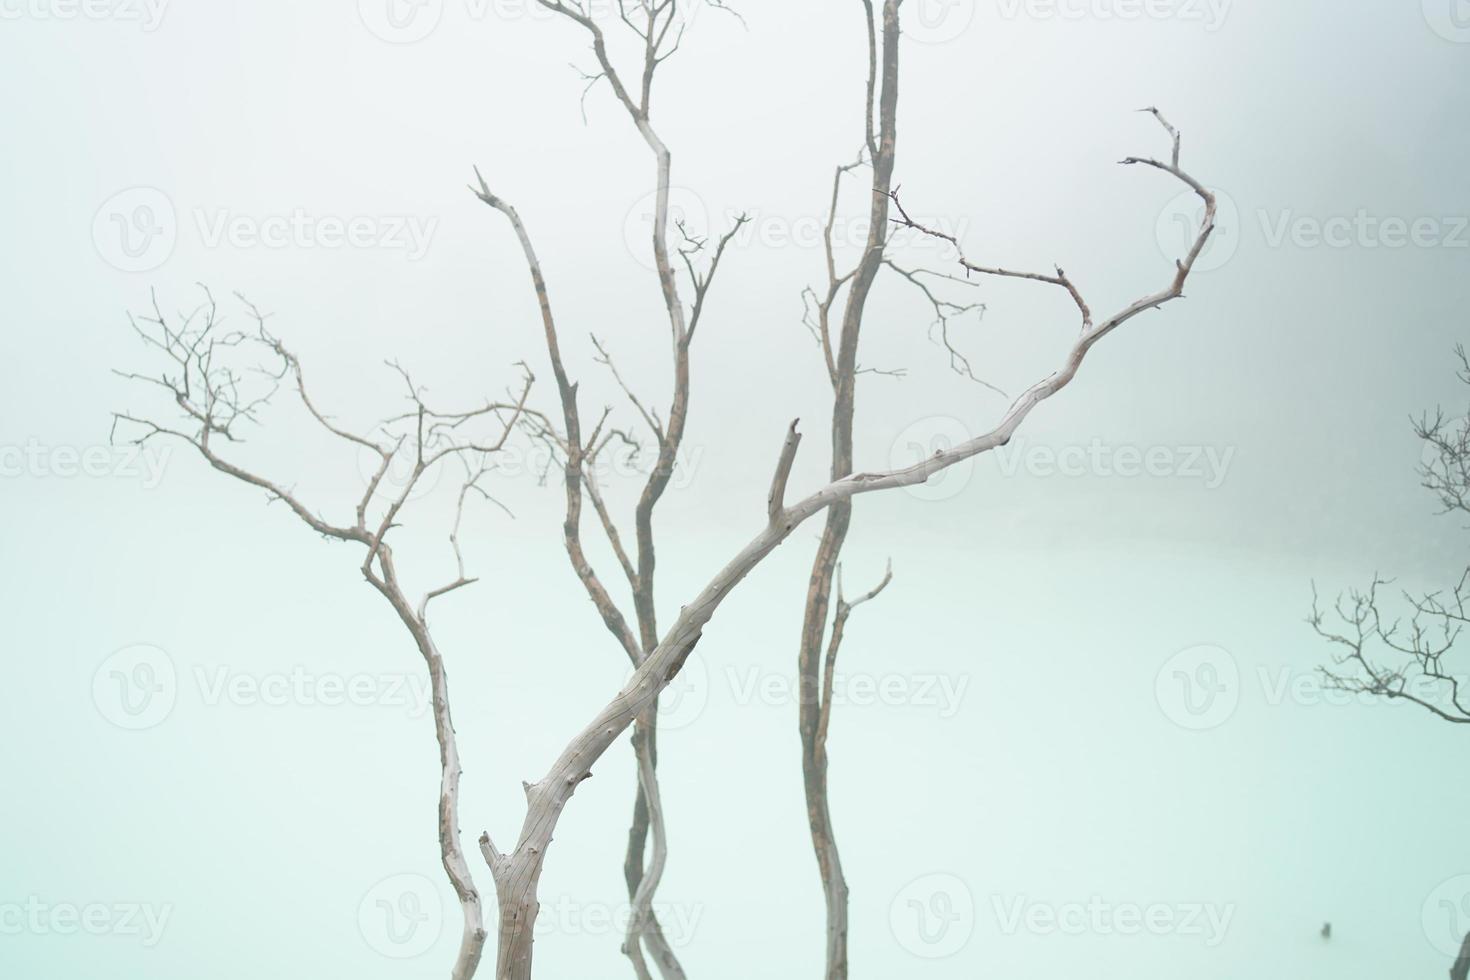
<point>849,291</point>
<point>1408,654</point>
<point>213,406</point>
<point>218,390</point>
<point>518,871</point>
<point>814,673</point>
<point>657,28</point>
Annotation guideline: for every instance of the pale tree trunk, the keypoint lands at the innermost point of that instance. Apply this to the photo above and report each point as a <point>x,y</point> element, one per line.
<point>814,708</point>
<point>517,872</point>
<point>472,940</point>
<point>655,26</point>
<point>210,404</point>
<point>658,945</point>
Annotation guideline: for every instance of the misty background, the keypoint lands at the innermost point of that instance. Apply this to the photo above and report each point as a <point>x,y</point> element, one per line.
<point>1089,689</point>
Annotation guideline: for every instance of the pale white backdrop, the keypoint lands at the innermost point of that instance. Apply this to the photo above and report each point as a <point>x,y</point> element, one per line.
<point>1086,698</point>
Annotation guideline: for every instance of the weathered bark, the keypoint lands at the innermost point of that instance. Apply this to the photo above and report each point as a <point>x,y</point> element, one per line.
<point>515,893</point>
<point>659,948</point>
<point>517,873</point>
<point>656,30</point>
<point>882,88</point>
<point>209,395</point>
<point>472,940</point>
<point>642,912</point>
<point>451,850</point>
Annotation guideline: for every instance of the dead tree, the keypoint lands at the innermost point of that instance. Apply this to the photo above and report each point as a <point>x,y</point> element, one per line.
<point>814,673</point>
<point>212,407</point>
<point>218,390</point>
<point>1407,654</point>
<point>657,27</point>
<point>518,870</point>
<point>848,291</point>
